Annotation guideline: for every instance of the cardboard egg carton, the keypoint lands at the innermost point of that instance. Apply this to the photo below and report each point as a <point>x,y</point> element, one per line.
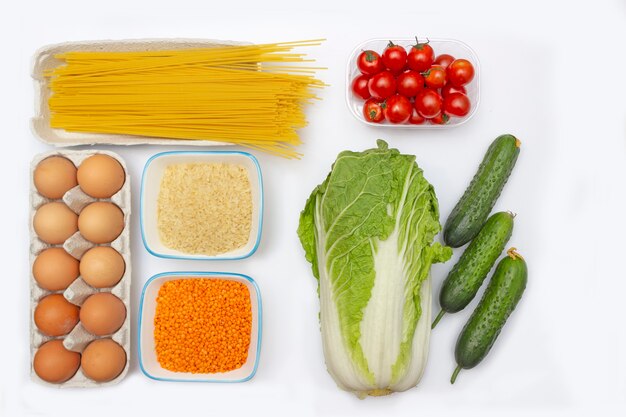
<point>44,60</point>
<point>79,290</point>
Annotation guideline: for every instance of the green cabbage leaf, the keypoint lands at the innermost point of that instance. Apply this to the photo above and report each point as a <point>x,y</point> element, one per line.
<point>368,232</point>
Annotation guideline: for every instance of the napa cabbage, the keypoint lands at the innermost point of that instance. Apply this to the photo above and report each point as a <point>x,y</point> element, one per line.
<point>368,232</point>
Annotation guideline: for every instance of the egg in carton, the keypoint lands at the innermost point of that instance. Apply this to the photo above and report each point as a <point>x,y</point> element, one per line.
<point>79,290</point>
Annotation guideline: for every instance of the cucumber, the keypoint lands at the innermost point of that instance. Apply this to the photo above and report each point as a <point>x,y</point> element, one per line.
<point>500,299</point>
<point>466,277</point>
<point>470,213</point>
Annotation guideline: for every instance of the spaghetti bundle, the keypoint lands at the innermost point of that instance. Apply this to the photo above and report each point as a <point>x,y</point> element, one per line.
<point>251,95</point>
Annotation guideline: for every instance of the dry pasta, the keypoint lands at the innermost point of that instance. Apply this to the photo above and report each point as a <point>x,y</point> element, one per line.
<point>251,95</point>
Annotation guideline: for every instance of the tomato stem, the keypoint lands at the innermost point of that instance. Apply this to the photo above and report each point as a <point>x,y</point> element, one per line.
<point>419,45</point>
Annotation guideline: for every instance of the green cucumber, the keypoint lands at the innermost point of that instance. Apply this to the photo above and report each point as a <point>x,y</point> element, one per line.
<point>500,299</point>
<point>470,213</point>
<point>466,277</point>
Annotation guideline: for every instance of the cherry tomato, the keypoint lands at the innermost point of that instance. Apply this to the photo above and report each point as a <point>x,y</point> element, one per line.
<point>435,77</point>
<point>456,104</point>
<point>449,88</point>
<point>428,103</point>
<point>444,60</point>
<point>394,57</point>
<point>421,56</point>
<point>440,119</point>
<point>397,109</point>
<point>382,85</point>
<point>415,118</point>
<point>373,111</point>
<point>359,87</point>
<point>369,63</point>
<point>460,72</point>
<point>410,83</point>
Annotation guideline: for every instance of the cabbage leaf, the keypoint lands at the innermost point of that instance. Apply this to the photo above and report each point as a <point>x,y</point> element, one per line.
<point>368,233</point>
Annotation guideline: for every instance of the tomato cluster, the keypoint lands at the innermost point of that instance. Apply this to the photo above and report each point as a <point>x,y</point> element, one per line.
<point>412,87</point>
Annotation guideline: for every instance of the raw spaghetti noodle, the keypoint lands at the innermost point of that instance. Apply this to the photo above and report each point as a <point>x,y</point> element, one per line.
<point>251,95</point>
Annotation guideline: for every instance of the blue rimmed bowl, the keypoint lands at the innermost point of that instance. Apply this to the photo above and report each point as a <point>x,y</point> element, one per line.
<point>147,354</point>
<point>150,186</point>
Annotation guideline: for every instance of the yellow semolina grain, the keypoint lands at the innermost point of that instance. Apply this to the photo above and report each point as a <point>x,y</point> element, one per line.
<point>204,208</point>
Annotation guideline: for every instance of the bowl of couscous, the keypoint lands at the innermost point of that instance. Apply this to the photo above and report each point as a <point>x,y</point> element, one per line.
<point>200,327</point>
<point>205,205</point>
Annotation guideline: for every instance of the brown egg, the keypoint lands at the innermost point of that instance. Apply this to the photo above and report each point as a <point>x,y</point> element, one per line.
<point>54,269</point>
<point>54,223</point>
<point>53,363</point>
<point>101,222</point>
<point>55,316</point>
<point>102,314</point>
<point>103,360</point>
<point>102,267</point>
<point>101,176</point>
<point>54,176</point>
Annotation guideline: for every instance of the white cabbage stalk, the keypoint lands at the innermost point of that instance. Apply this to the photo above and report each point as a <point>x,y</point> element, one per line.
<point>368,231</point>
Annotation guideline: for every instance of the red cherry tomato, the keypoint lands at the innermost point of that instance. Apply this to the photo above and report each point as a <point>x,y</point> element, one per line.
<point>460,72</point>
<point>449,88</point>
<point>428,103</point>
<point>420,57</point>
<point>382,85</point>
<point>415,118</point>
<point>397,109</point>
<point>410,83</point>
<point>440,119</point>
<point>373,111</point>
<point>394,57</point>
<point>369,63</point>
<point>456,104</point>
<point>435,77</point>
<point>359,87</point>
<point>444,60</point>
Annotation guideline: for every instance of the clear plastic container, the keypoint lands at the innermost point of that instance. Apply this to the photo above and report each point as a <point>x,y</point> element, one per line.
<point>453,47</point>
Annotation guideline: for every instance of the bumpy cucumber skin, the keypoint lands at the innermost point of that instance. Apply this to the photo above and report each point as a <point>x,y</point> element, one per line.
<point>466,277</point>
<point>474,207</point>
<point>500,299</point>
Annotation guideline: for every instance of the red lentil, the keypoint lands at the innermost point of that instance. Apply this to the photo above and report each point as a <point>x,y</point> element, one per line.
<point>202,325</point>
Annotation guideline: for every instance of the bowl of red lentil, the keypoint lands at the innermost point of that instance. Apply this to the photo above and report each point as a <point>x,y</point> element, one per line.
<point>200,327</point>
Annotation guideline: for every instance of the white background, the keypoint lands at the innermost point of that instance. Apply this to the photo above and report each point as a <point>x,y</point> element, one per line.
<point>552,74</point>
